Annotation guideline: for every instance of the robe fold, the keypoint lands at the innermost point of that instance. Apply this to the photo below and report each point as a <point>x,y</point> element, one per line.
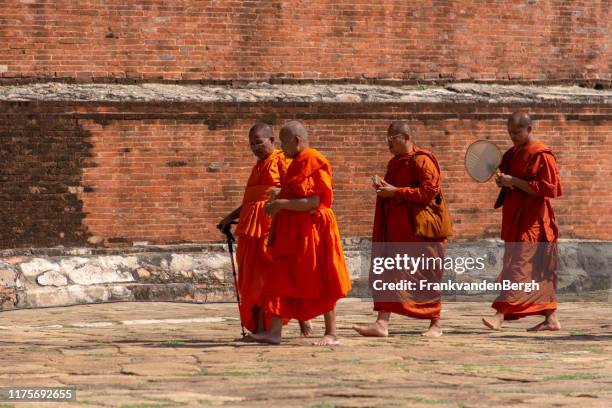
<point>309,273</point>
<point>530,231</point>
<point>418,180</point>
<point>252,258</point>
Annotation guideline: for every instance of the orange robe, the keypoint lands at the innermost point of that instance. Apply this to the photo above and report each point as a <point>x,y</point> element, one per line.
<point>309,273</point>
<point>418,182</point>
<point>252,256</point>
<point>529,231</point>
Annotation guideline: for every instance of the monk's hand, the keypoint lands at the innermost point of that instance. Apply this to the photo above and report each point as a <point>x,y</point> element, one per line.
<point>385,189</point>
<point>504,180</point>
<point>272,207</point>
<point>224,223</point>
<point>273,193</point>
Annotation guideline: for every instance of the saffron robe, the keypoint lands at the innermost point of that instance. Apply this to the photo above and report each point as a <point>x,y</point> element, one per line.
<point>530,231</point>
<point>309,273</point>
<point>252,256</point>
<point>418,180</point>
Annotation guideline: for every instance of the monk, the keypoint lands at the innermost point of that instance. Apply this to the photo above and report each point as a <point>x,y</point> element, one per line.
<point>529,178</point>
<point>252,256</point>
<point>412,179</point>
<point>309,273</point>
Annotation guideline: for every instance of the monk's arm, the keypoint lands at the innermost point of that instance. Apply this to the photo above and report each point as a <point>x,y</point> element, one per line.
<point>230,217</point>
<point>522,184</point>
<point>298,204</point>
<point>548,182</point>
<point>545,185</point>
<point>295,204</point>
<point>423,194</point>
<point>429,184</point>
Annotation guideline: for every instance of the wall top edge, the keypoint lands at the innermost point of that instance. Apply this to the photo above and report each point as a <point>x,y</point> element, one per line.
<point>262,92</point>
<point>349,243</point>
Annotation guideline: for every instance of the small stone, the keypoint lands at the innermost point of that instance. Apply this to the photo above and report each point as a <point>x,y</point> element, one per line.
<point>216,261</point>
<point>7,278</point>
<point>118,262</point>
<point>52,278</point>
<point>181,263</point>
<point>75,189</point>
<point>68,265</point>
<point>103,269</point>
<point>38,265</point>
<point>63,296</point>
<point>95,240</point>
<point>348,98</point>
<point>13,260</point>
<point>8,298</point>
<point>143,273</point>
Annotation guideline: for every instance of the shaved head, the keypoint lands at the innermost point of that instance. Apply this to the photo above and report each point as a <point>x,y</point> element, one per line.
<point>399,137</point>
<point>261,140</point>
<point>261,128</point>
<point>520,119</point>
<point>399,127</point>
<point>295,129</point>
<point>519,128</point>
<point>294,138</point>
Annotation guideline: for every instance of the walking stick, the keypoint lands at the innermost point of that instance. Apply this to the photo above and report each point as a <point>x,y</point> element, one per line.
<point>230,244</point>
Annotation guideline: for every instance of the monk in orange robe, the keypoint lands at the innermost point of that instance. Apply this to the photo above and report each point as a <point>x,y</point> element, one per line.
<point>412,179</point>
<point>252,258</point>
<point>529,178</point>
<point>309,273</point>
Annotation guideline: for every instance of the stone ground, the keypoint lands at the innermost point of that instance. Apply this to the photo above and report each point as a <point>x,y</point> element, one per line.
<point>151,355</point>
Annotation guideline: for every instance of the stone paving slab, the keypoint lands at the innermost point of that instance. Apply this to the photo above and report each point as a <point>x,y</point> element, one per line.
<point>151,355</point>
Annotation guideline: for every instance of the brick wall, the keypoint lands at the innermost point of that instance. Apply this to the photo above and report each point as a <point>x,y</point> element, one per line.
<point>544,40</point>
<point>166,173</point>
<point>42,170</point>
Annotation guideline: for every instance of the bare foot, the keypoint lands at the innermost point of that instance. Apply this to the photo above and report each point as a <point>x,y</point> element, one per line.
<point>492,323</point>
<point>327,340</point>
<point>434,330</point>
<point>248,338</point>
<point>545,326</point>
<point>376,329</point>
<point>266,337</point>
<point>305,328</point>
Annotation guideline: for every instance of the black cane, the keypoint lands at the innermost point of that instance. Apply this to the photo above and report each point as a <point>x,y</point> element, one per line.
<point>230,244</point>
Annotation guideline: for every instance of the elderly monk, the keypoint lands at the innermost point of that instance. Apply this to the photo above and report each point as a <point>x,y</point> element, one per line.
<point>412,180</point>
<point>309,274</point>
<point>529,178</point>
<point>252,255</point>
